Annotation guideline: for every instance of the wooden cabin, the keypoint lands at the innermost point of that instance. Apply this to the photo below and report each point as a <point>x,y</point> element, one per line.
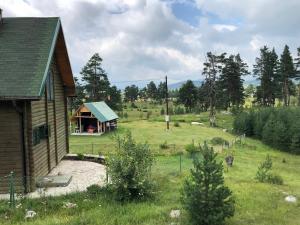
<point>35,81</point>
<point>94,118</point>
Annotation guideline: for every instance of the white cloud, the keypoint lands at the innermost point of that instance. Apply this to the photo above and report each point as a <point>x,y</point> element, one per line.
<point>224,27</point>
<point>141,39</point>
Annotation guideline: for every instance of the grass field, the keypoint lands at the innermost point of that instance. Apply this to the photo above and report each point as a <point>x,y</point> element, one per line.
<point>256,203</point>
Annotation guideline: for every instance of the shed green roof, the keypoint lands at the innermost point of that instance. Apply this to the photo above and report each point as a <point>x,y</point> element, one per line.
<point>26,49</point>
<point>101,111</point>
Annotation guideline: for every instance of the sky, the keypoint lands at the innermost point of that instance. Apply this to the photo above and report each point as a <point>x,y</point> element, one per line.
<point>148,39</point>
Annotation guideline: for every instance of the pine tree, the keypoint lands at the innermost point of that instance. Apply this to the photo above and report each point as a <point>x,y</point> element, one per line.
<point>287,72</point>
<point>295,145</point>
<point>161,91</point>
<point>211,71</point>
<point>131,93</point>
<point>95,79</point>
<point>114,99</point>
<point>188,95</point>
<point>230,89</point>
<point>204,195</point>
<point>266,68</point>
<point>80,95</point>
<point>152,90</point>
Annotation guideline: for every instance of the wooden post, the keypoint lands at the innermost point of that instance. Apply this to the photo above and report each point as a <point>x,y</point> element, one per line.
<point>79,124</point>
<point>98,126</point>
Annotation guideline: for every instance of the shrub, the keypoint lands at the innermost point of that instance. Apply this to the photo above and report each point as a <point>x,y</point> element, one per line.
<point>125,115</point>
<point>176,124</point>
<point>264,174</point>
<point>219,141</point>
<point>80,156</point>
<point>164,145</point>
<point>191,149</point>
<point>204,195</point>
<point>162,111</point>
<point>129,170</point>
<point>276,127</point>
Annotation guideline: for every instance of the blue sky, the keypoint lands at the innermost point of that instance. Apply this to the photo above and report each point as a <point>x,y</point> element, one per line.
<point>147,39</point>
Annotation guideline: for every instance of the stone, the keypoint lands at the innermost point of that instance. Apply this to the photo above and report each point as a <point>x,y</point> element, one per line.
<point>175,213</point>
<point>196,123</point>
<point>70,205</point>
<point>291,198</point>
<point>30,214</point>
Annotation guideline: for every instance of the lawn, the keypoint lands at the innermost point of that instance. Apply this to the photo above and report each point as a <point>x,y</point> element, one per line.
<point>256,203</point>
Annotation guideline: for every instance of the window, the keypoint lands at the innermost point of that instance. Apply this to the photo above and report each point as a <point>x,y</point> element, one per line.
<point>49,86</point>
<point>39,133</point>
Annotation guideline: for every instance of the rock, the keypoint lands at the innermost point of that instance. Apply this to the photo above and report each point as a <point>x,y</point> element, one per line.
<point>290,198</point>
<point>70,205</point>
<point>196,123</point>
<point>225,130</point>
<point>30,214</point>
<point>175,213</point>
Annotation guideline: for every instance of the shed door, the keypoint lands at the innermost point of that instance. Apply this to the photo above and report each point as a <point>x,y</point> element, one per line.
<point>10,145</point>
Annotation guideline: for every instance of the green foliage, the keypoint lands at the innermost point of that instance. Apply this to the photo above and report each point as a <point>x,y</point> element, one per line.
<point>191,149</point>
<point>176,124</point>
<point>264,173</point>
<point>162,111</point>
<point>277,127</point>
<point>188,94</point>
<point>131,93</point>
<point>204,195</point>
<point>80,156</point>
<point>129,170</point>
<point>125,115</point>
<point>218,141</point>
<point>164,145</point>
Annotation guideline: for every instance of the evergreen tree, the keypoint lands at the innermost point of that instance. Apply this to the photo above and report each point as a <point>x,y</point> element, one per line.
<point>131,93</point>
<point>143,93</point>
<point>267,68</point>
<point>297,64</point>
<point>95,79</point>
<point>161,91</point>
<point>230,89</point>
<point>152,90</point>
<point>250,91</point>
<point>287,72</point>
<point>203,98</point>
<point>80,95</point>
<point>211,71</point>
<point>188,95</point>
<point>114,99</point>
<point>204,195</point>
<point>269,130</point>
<point>295,144</point>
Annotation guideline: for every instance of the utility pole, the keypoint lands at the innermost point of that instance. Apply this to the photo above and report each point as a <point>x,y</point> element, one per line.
<point>167,105</point>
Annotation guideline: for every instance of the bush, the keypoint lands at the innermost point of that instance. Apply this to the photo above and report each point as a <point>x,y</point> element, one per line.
<point>162,111</point>
<point>204,195</point>
<point>191,149</point>
<point>218,141</point>
<point>176,124</point>
<point>164,145</point>
<point>80,156</point>
<point>129,170</point>
<point>276,127</point>
<point>264,174</point>
<point>125,115</point>
<point>149,113</point>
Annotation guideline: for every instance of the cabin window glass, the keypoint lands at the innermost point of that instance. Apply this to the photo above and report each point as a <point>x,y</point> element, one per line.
<point>39,133</point>
<point>49,85</point>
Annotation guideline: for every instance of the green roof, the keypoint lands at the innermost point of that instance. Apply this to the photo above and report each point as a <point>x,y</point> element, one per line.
<point>101,111</point>
<point>26,49</point>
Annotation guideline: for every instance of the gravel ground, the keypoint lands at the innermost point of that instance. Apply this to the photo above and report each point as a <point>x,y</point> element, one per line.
<point>83,173</point>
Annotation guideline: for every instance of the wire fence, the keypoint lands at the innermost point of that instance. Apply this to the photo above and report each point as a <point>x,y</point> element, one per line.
<point>176,162</point>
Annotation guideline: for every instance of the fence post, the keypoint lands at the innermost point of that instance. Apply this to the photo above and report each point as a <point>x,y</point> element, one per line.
<point>12,202</point>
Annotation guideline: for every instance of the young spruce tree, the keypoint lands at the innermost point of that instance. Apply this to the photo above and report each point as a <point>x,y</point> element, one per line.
<point>204,195</point>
